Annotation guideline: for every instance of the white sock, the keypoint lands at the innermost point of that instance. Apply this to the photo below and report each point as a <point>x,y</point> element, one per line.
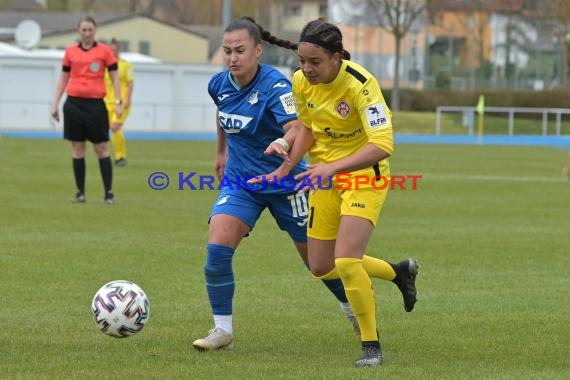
<point>345,306</point>
<point>224,322</point>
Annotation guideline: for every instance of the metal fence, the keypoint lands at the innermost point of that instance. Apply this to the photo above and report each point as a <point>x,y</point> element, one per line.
<point>468,117</point>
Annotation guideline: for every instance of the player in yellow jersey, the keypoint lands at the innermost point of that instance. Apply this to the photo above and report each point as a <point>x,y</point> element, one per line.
<point>348,133</point>
<point>126,80</point>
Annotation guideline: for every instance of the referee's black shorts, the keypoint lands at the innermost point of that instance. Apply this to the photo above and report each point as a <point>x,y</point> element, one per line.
<point>85,119</point>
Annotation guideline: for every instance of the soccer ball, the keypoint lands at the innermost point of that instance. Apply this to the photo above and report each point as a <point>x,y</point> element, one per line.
<point>120,308</point>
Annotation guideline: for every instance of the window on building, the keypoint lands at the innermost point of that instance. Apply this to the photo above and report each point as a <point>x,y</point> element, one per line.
<point>323,9</point>
<point>124,45</point>
<point>144,47</point>
<point>292,9</point>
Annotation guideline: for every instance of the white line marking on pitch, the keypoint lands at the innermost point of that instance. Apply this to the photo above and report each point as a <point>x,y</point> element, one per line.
<point>476,177</point>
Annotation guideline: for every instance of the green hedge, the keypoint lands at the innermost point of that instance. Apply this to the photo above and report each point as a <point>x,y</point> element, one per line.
<point>414,100</point>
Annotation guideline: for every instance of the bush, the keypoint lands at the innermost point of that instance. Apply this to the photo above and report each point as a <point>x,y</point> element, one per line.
<point>443,80</point>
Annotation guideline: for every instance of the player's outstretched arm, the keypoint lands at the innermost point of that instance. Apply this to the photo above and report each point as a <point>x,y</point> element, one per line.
<point>303,140</point>
<point>281,146</point>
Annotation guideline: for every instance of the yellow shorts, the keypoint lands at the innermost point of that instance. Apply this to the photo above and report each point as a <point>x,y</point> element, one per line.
<point>326,207</point>
<point>113,117</point>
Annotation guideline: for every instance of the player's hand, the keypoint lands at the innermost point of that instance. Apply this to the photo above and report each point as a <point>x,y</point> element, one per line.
<point>278,150</point>
<point>54,112</point>
<point>220,166</point>
<point>274,177</point>
<point>127,104</point>
<point>317,176</point>
<point>118,110</point>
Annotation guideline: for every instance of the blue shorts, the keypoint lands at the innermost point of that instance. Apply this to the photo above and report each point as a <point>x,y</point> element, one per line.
<point>290,210</point>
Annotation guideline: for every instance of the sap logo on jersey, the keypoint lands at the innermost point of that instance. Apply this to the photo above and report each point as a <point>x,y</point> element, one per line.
<point>232,123</point>
<point>376,115</point>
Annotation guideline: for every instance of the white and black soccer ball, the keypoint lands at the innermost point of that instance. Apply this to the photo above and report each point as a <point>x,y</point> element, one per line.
<point>120,308</point>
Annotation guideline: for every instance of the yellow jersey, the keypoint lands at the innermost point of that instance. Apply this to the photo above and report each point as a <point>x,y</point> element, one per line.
<point>125,72</point>
<point>345,114</point>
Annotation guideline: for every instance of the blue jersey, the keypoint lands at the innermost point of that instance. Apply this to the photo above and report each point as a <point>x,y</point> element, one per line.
<point>252,117</point>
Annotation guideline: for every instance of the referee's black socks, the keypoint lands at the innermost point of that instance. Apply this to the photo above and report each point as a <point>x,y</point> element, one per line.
<point>106,173</point>
<point>79,172</point>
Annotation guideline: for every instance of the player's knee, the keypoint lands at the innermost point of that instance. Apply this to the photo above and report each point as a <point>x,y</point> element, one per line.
<point>323,273</point>
<point>78,150</point>
<point>217,269</point>
<point>219,260</point>
<point>348,267</point>
<point>101,150</point>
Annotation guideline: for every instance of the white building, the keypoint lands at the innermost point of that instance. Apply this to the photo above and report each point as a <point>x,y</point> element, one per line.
<point>167,97</point>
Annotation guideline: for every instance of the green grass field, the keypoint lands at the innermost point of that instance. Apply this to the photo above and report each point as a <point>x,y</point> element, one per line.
<point>489,226</point>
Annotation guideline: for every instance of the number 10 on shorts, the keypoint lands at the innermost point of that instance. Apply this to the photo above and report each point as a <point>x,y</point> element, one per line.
<point>299,205</point>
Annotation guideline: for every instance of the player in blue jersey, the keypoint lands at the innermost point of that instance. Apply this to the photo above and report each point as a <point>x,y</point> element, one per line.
<point>256,109</point>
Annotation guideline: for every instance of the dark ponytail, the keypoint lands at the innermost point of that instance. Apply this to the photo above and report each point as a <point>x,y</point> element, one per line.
<point>319,32</point>
<point>266,36</point>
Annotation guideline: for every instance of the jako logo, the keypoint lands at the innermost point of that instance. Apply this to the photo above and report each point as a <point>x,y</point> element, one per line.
<point>232,123</point>
<point>356,204</point>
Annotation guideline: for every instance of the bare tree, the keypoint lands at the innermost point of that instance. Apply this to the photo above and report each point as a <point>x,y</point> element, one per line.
<point>559,12</point>
<point>350,12</point>
<point>17,5</point>
<point>88,5</point>
<point>146,7</point>
<point>513,14</point>
<point>472,17</point>
<point>58,5</point>
<point>396,16</point>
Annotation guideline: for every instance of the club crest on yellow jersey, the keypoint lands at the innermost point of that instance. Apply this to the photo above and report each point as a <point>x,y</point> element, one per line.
<point>343,108</point>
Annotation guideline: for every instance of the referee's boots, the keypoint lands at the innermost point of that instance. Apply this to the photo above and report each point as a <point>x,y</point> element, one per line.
<point>109,197</point>
<point>79,197</point>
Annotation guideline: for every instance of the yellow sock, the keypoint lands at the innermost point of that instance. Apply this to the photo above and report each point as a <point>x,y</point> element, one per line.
<point>358,288</point>
<point>376,268</point>
<point>332,275</point>
<point>119,144</point>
